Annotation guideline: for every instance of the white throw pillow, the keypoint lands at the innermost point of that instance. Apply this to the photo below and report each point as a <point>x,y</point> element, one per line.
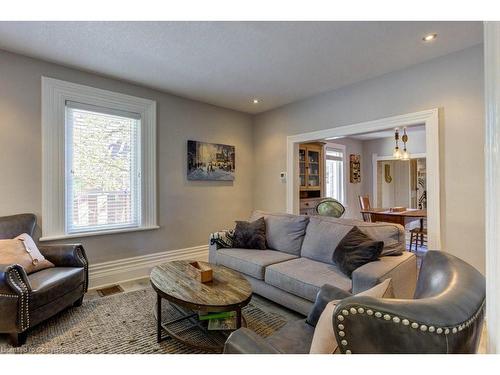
<point>324,341</point>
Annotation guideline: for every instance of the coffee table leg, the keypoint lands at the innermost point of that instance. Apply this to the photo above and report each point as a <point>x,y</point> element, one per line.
<point>238,317</point>
<point>158,318</point>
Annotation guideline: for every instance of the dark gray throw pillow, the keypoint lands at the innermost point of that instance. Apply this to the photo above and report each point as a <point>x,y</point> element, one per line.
<point>355,250</point>
<point>250,235</point>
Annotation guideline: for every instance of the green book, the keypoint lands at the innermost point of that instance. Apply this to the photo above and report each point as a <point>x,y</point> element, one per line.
<point>221,315</point>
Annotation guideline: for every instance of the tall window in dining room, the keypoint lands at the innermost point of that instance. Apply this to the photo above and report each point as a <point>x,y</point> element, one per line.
<point>335,174</point>
<point>103,176</point>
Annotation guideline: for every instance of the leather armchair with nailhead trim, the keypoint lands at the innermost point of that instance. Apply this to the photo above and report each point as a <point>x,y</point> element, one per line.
<point>445,316</point>
<point>26,300</point>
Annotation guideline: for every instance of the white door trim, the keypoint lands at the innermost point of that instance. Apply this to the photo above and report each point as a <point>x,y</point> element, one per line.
<point>430,118</point>
<point>375,159</point>
<point>492,181</point>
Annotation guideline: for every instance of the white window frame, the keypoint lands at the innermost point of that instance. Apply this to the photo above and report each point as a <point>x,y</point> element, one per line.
<point>55,94</point>
<point>344,159</point>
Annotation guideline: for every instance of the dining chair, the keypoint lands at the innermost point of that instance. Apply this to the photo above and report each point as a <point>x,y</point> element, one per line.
<point>364,204</point>
<point>418,233</point>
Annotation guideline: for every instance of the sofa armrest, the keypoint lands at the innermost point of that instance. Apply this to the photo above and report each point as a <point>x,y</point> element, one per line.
<point>402,269</point>
<point>67,255</point>
<point>245,341</point>
<point>326,294</point>
<point>219,240</point>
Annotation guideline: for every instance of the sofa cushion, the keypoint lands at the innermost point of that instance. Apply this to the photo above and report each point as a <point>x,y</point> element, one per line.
<point>304,277</point>
<point>52,283</point>
<point>251,262</point>
<point>284,232</point>
<point>321,239</point>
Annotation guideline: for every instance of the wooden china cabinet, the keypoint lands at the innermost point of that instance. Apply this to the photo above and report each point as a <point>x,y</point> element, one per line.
<point>311,176</point>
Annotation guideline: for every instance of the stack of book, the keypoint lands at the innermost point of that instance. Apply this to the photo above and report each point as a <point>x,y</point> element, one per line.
<point>219,321</point>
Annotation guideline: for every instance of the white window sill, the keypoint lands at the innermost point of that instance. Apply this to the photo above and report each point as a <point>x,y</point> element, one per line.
<point>96,233</point>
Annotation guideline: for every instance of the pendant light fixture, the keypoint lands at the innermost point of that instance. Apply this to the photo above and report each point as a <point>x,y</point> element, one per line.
<point>404,138</point>
<point>397,151</point>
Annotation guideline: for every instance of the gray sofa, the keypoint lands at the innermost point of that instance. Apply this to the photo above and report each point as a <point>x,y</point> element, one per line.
<point>299,259</point>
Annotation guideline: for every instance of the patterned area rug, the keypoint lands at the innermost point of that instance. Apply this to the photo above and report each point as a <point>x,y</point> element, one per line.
<point>120,324</point>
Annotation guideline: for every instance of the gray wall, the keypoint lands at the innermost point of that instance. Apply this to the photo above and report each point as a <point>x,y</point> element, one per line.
<point>453,83</point>
<point>188,211</point>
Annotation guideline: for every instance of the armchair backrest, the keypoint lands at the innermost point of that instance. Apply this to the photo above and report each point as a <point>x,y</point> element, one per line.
<point>445,316</point>
<point>14,225</point>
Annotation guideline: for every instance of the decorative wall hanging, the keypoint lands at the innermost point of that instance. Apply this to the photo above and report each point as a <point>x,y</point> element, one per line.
<point>355,169</point>
<point>210,161</point>
<point>387,173</point>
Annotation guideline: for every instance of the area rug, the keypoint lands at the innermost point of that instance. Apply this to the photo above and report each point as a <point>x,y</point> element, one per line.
<point>120,324</point>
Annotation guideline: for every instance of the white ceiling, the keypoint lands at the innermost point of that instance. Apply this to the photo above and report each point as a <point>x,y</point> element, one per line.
<point>229,63</point>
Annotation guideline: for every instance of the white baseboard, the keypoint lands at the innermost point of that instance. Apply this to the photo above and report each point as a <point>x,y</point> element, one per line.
<point>118,271</point>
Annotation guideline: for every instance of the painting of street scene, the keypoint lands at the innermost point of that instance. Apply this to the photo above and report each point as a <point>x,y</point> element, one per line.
<point>210,161</point>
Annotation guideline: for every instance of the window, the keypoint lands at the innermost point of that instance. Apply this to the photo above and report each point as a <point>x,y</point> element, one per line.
<point>335,172</point>
<point>99,161</point>
<point>102,168</point>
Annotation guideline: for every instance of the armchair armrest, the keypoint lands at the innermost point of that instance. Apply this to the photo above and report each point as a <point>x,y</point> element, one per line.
<point>381,326</point>
<point>67,255</point>
<point>245,341</point>
<point>326,294</point>
<point>15,292</point>
<point>12,276</point>
<point>219,240</point>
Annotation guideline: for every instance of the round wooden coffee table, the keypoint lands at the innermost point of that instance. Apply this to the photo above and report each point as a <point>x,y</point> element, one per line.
<point>228,291</point>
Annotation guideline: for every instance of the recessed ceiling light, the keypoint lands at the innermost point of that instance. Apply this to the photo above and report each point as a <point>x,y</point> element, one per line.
<point>429,37</point>
<point>255,101</point>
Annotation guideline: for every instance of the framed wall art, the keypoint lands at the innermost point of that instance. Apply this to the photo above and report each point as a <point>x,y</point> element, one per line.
<point>354,168</point>
<point>210,161</point>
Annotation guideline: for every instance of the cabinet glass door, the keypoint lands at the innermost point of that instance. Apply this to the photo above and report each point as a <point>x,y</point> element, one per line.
<point>302,167</point>
<point>313,156</point>
<point>313,180</point>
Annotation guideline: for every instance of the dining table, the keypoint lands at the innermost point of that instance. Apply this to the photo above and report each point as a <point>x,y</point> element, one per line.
<point>402,217</point>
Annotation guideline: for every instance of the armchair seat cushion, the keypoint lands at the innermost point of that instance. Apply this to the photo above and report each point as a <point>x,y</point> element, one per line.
<point>294,338</point>
<point>251,262</point>
<point>52,283</point>
<point>304,277</point>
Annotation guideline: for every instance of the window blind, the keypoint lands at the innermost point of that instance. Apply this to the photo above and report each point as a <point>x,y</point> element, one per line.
<point>102,168</point>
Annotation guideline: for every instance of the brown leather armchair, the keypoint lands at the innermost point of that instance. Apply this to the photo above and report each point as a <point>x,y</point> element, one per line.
<point>26,300</point>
